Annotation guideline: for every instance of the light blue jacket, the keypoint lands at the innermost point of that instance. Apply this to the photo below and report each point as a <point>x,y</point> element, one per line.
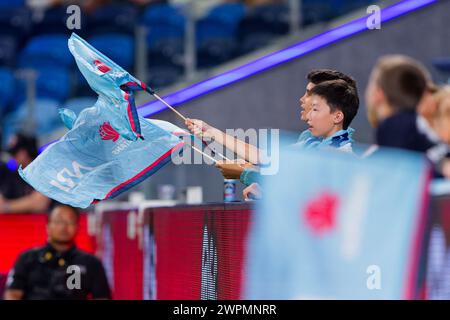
<point>341,140</point>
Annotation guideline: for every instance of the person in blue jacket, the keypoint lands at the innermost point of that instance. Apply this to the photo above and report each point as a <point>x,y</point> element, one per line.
<point>247,172</point>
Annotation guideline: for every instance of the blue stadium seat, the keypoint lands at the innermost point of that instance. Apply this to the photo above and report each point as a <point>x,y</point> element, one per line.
<point>4,4</point>
<point>274,18</point>
<point>15,22</point>
<point>161,36</point>
<point>263,23</point>
<point>162,70</point>
<point>163,75</point>
<point>228,13</point>
<point>215,51</point>
<point>207,29</point>
<point>120,18</point>
<point>8,48</point>
<point>116,46</point>
<point>222,21</point>
<point>216,34</point>
<point>164,13</point>
<point>166,26</point>
<point>6,89</point>
<point>46,50</point>
<point>314,11</point>
<point>51,82</point>
<point>54,20</point>
<point>340,7</point>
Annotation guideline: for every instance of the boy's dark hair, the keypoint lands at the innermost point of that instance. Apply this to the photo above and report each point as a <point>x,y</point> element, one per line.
<point>321,75</point>
<point>339,95</point>
<point>403,81</point>
<point>74,210</point>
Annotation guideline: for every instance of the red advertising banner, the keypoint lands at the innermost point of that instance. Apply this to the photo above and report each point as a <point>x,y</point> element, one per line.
<point>190,252</point>
<point>20,232</point>
<point>121,254</point>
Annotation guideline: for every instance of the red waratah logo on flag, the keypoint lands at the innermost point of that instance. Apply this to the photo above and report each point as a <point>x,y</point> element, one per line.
<point>320,213</point>
<point>108,133</point>
<point>101,66</point>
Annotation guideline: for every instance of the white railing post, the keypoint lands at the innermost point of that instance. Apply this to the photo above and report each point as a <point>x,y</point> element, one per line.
<point>190,52</point>
<point>295,10</point>
<point>141,66</point>
<point>29,76</point>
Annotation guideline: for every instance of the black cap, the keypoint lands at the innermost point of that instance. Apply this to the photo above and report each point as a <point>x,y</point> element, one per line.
<point>21,141</point>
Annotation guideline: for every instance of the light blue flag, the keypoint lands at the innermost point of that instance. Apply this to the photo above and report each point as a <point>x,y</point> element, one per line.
<point>113,85</point>
<point>332,226</point>
<point>93,162</point>
<point>101,157</point>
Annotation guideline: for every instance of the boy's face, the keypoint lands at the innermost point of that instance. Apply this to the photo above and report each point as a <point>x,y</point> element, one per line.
<point>322,122</point>
<point>305,102</point>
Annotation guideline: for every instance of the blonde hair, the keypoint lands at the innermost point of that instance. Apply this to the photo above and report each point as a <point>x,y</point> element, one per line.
<point>442,93</point>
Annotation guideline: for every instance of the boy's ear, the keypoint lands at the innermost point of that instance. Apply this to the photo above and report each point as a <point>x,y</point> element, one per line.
<point>338,117</point>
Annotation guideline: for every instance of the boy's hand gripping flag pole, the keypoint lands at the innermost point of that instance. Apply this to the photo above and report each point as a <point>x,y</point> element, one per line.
<point>153,93</point>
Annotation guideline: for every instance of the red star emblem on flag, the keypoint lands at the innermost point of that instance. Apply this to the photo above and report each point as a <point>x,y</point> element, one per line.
<point>320,213</point>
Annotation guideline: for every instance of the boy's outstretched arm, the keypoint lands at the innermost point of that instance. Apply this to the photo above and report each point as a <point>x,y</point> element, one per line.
<point>244,150</point>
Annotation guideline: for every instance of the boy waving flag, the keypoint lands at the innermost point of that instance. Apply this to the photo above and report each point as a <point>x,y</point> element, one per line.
<point>104,153</point>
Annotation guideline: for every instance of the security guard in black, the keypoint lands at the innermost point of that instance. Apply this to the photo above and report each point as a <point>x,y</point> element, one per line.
<point>44,273</point>
<point>58,270</point>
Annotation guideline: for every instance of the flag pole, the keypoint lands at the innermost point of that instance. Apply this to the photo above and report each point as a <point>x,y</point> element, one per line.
<point>170,107</point>
<point>204,154</point>
<point>153,93</point>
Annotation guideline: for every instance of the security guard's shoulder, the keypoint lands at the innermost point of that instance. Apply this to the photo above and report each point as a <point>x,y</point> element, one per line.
<point>32,254</point>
